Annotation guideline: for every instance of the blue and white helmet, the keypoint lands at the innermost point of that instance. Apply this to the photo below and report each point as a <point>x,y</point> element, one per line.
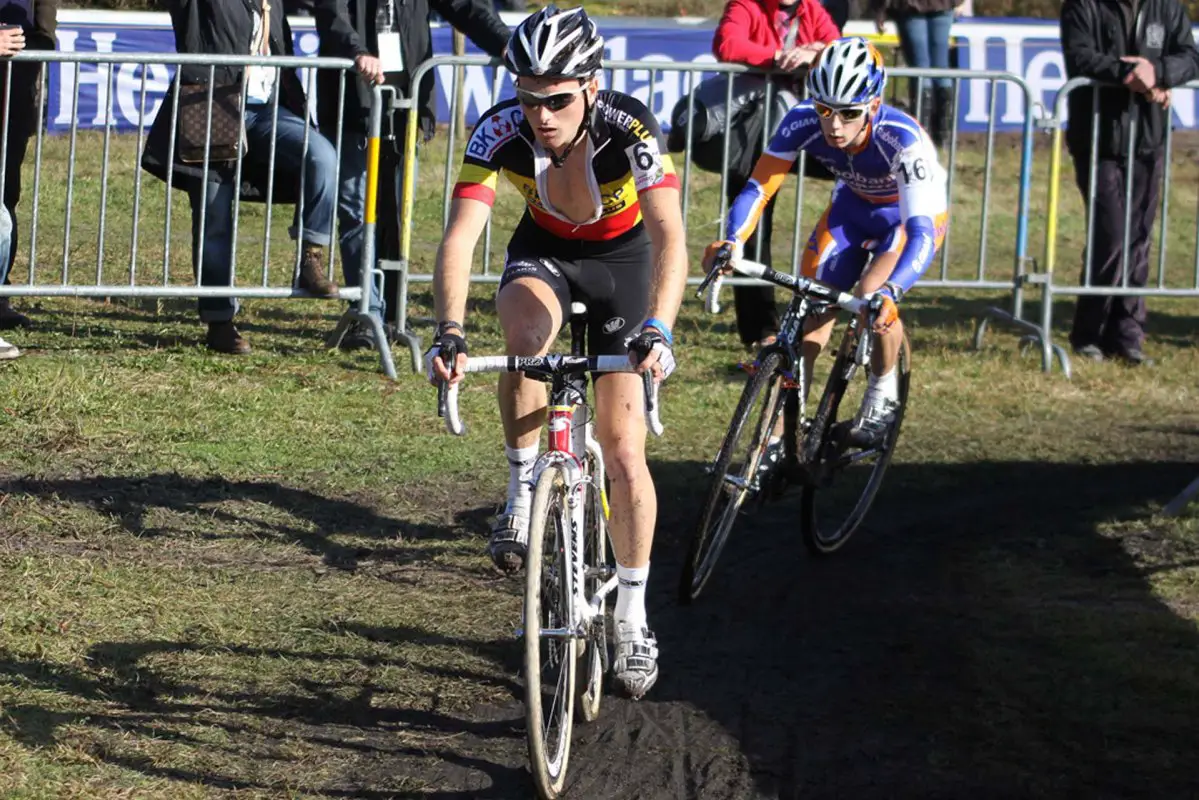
<point>849,72</point>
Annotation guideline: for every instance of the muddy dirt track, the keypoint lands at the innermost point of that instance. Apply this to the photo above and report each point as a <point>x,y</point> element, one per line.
<point>953,650</point>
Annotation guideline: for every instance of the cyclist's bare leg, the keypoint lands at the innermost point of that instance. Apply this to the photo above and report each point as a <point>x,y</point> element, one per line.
<point>885,355</point>
<point>620,428</point>
<point>817,330</point>
<point>530,316</point>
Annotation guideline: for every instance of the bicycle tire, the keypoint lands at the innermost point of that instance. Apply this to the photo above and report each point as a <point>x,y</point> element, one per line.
<point>822,542</point>
<point>593,661</point>
<point>720,510</point>
<point>549,590</point>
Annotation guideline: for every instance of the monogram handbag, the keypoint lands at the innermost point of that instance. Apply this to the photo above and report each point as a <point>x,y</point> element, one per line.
<point>225,136</point>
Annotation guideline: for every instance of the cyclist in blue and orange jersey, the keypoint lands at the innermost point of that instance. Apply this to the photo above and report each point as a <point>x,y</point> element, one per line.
<point>889,198</point>
<point>603,225</point>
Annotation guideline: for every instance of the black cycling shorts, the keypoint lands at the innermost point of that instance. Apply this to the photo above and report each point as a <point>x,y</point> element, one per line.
<point>612,278</point>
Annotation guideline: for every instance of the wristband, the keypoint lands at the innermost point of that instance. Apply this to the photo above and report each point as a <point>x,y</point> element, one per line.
<point>660,327</point>
<point>892,290</point>
<point>449,323</point>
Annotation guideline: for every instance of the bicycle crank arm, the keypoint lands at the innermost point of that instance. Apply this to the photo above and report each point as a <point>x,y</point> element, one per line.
<point>862,455</point>
<point>562,633</point>
<point>740,484</point>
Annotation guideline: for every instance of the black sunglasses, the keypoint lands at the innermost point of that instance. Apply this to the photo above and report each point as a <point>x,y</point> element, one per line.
<point>554,102</point>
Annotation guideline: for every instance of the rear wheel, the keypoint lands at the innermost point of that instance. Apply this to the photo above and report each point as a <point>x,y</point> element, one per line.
<point>843,481</point>
<point>734,474</point>
<point>550,661</point>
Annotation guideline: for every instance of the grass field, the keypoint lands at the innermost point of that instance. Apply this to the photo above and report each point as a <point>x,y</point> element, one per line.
<point>263,577</point>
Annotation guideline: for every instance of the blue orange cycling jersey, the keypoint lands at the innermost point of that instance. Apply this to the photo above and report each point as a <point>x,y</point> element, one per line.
<point>896,167</point>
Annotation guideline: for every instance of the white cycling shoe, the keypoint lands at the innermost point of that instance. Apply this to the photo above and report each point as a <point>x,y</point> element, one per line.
<point>635,668</point>
<point>509,544</point>
<point>874,418</point>
<point>8,350</point>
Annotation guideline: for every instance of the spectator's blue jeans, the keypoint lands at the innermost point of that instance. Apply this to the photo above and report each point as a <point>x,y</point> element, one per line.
<point>351,210</point>
<point>313,221</point>
<point>5,242</point>
<point>925,41</point>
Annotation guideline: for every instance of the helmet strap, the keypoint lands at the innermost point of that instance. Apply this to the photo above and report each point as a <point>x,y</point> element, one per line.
<point>584,127</point>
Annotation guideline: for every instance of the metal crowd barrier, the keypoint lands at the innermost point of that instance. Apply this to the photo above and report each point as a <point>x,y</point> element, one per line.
<point>971,246</point>
<point>111,203</point>
<point>1183,284</point>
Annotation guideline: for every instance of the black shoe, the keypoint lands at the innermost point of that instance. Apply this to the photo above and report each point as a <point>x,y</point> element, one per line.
<point>357,337</point>
<point>11,318</point>
<point>360,336</point>
<point>1091,352</point>
<point>1133,357</point>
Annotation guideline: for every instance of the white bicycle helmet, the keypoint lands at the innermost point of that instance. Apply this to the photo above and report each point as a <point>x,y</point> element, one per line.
<point>554,43</point>
<point>849,72</point>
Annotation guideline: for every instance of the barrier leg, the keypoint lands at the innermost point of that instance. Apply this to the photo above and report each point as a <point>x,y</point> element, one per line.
<point>1175,506</point>
<point>403,335</point>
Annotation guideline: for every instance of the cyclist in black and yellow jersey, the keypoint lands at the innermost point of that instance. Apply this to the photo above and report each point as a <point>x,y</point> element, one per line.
<point>603,226</point>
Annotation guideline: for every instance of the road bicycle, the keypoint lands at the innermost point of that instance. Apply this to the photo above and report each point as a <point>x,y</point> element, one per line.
<point>839,474</point>
<point>568,572</point>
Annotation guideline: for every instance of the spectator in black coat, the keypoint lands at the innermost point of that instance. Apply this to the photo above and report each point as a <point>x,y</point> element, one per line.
<point>1145,49</point>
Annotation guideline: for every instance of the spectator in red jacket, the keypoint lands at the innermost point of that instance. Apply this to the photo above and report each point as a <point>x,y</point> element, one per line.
<point>768,34</point>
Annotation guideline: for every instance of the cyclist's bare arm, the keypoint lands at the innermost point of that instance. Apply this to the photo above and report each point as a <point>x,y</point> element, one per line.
<point>663,218</point>
<point>451,276</point>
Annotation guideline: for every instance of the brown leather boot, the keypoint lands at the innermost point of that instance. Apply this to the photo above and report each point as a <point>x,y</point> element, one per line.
<point>224,338</point>
<point>312,273</point>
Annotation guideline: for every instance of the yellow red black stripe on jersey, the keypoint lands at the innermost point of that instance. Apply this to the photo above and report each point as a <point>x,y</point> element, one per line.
<point>629,157</point>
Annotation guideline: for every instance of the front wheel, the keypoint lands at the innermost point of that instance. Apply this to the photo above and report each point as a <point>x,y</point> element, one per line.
<point>550,661</point>
<point>844,481</point>
<point>734,474</point>
<point>594,659</point>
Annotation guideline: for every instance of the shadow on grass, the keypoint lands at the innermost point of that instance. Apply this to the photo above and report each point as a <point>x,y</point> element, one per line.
<point>400,748</point>
<point>292,330</point>
<point>979,637</point>
<point>217,508</point>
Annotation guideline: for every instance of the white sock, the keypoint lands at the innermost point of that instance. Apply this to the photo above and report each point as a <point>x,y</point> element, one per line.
<point>885,385</point>
<point>630,594</point>
<point>520,470</point>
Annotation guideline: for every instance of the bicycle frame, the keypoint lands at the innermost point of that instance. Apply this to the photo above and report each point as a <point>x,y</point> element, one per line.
<point>570,444</point>
<point>810,297</point>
